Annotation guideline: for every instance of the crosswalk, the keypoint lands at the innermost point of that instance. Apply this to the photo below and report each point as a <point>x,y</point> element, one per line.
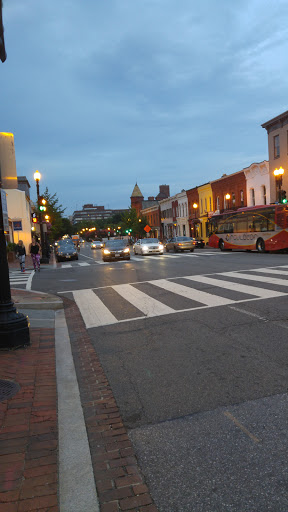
<point>140,259</point>
<point>17,278</point>
<point>129,302</point>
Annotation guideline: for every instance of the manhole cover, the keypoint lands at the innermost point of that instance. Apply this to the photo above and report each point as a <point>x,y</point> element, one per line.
<point>8,389</point>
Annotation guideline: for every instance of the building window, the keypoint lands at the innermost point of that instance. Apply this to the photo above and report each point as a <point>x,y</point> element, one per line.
<point>185,209</point>
<point>201,206</point>
<point>233,199</point>
<point>184,230</point>
<point>276,146</point>
<point>241,198</point>
<point>264,199</point>
<point>252,196</point>
<point>210,204</point>
<point>205,204</point>
<point>218,203</point>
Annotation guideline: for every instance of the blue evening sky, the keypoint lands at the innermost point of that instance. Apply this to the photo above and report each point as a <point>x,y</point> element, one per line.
<point>101,94</point>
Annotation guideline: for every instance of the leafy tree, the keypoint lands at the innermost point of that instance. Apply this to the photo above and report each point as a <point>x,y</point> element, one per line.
<point>130,220</point>
<point>55,212</point>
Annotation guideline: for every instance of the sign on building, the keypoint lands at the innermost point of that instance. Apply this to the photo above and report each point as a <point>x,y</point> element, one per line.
<point>17,225</point>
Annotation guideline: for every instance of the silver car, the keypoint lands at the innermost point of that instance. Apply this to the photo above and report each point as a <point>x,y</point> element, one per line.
<point>181,243</point>
<point>97,244</point>
<point>148,246</point>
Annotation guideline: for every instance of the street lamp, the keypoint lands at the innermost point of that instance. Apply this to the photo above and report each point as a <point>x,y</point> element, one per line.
<point>14,326</point>
<point>227,197</point>
<point>45,258</point>
<point>278,173</point>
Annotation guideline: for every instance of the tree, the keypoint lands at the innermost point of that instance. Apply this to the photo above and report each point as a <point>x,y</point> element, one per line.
<point>131,221</point>
<point>55,212</point>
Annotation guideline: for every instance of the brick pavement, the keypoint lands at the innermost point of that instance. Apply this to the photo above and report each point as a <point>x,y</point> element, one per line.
<point>28,435</point>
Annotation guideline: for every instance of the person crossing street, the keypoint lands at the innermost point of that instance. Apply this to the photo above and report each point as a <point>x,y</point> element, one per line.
<point>21,254</point>
<point>35,254</point>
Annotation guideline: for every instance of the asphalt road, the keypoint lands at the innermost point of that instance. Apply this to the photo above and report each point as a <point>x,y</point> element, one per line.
<point>195,349</point>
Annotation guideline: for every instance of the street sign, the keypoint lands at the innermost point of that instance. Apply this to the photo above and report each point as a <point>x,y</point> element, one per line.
<point>147,228</point>
<point>5,211</point>
<point>17,225</point>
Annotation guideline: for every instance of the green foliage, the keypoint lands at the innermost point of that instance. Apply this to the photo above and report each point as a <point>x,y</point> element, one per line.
<point>130,220</point>
<point>10,247</point>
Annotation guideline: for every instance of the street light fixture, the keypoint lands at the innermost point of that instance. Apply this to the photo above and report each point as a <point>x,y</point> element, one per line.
<point>278,173</point>
<point>227,197</point>
<point>45,258</point>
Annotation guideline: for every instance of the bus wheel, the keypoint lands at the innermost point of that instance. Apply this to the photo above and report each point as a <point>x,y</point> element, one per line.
<point>221,245</point>
<point>260,245</point>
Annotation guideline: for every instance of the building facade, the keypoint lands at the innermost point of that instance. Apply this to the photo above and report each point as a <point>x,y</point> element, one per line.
<point>90,212</point>
<point>277,130</point>
<point>257,183</point>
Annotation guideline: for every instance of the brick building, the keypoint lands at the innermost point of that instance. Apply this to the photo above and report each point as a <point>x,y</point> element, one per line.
<point>235,186</point>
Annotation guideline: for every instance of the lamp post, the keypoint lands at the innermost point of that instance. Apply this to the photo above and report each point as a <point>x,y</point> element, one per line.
<point>278,173</point>
<point>14,326</point>
<point>195,206</point>
<point>227,197</point>
<point>45,258</point>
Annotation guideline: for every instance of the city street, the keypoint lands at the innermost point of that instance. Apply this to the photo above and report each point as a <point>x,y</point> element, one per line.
<point>194,346</point>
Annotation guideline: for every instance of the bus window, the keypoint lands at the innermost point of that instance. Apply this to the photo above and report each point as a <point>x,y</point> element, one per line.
<point>240,223</point>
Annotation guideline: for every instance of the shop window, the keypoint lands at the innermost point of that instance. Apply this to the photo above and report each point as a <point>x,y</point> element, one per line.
<point>276,140</point>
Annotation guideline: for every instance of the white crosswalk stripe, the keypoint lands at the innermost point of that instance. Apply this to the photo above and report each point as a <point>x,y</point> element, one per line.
<point>16,277</point>
<point>129,302</point>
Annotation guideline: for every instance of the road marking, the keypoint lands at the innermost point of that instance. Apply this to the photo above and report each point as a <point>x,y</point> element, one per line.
<point>205,298</point>
<point>93,311</point>
<point>84,264</point>
<point>242,288</point>
<point>29,282</point>
<point>249,313</point>
<point>272,271</point>
<point>244,429</point>
<point>260,280</point>
<point>66,265</point>
<point>149,306</point>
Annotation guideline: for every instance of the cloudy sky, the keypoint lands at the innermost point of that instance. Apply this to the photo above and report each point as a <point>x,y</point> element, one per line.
<point>103,93</point>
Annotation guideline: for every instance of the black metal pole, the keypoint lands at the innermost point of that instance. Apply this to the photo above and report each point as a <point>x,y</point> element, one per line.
<point>14,326</point>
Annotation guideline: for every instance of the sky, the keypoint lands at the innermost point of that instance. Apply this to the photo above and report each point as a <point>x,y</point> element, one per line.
<point>103,94</point>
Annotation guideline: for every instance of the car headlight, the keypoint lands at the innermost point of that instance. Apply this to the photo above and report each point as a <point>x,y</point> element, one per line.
<point>127,249</point>
<point>106,251</point>
<point>145,247</point>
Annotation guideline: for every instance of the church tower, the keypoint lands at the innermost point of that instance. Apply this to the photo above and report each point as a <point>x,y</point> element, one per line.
<point>136,199</point>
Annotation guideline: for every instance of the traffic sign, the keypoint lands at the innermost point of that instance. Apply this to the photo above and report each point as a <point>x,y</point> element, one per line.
<point>147,228</point>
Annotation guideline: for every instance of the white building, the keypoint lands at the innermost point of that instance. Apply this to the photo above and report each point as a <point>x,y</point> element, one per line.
<point>182,218</point>
<point>258,183</point>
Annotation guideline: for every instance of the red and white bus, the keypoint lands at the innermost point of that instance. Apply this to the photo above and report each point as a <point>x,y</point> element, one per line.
<point>264,228</point>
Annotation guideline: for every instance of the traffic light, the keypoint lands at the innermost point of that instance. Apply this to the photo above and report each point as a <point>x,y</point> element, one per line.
<point>41,204</point>
<point>283,197</point>
<point>34,217</point>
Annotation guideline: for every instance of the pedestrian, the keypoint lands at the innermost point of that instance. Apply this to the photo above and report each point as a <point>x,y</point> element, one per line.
<point>21,254</point>
<point>35,253</point>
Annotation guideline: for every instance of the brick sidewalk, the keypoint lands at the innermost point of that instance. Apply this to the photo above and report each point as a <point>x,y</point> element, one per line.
<point>29,435</point>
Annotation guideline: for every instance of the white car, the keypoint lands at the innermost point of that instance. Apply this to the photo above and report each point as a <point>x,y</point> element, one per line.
<point>148,246</point>
<point>97,244</point>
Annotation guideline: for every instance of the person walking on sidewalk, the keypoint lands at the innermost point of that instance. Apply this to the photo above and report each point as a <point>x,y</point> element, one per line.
<point>35,254</point>
<point>21,254</point>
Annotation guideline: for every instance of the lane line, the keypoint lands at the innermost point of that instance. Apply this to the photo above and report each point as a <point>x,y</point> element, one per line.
<point>190,293</point>
<point>244,429</point>
<point>149,306</point>
<point>249,313</point>
<point>92,309</point>
<point>84,264</point>
<point>237,287</point>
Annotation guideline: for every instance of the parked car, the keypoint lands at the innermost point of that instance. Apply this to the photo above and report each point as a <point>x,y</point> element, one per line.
<point>148,246</point>
<point>66,250</point>
<point>200,242</point>
<point>96,244</point>
<point>116,249</point>
<point>180,243</point>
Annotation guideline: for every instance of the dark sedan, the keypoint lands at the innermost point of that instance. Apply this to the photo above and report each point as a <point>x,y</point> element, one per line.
<point>200,242</point>
<point>66,250</point>
<point>116,250</point>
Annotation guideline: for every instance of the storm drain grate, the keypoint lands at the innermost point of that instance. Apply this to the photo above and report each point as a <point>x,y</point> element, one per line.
<point>8,389</point>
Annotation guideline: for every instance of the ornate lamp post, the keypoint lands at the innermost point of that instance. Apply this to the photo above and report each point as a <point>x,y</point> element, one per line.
<point>14,326</point>
<point>195,207</point>
<point>45,258</point>
<point>278,173</point>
